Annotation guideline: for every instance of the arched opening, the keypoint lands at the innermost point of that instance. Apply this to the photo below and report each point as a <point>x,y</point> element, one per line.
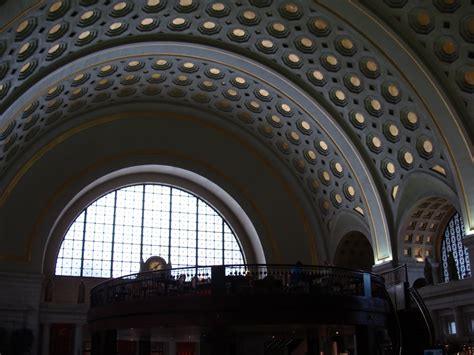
<point>433,233</point>
<point>421,232</point>
<point>114,235</point>
<point>171,177</point>
<point>354,251</point>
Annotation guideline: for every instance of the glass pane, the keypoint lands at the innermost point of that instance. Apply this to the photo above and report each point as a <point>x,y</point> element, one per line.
<point>452,248</point>
<point>112,235</point>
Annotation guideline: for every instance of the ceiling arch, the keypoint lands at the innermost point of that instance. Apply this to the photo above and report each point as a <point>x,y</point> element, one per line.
<point>423,228</point>
<point>371,108</point>
<point>306,138</point>
<point>442,32</point>
<point>424,78</point>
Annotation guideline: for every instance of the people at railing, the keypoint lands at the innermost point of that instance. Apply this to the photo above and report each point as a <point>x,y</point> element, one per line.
<point>296,279</point>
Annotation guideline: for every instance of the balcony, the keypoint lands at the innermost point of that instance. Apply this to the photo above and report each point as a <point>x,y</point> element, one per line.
<point>240,294</point>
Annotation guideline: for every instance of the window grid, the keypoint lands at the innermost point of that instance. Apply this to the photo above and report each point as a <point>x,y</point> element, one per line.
<point>68,261</point>
<point>113,231</point>
<point>83,240</point>
<point>452,244</point>
<point>116,232</point>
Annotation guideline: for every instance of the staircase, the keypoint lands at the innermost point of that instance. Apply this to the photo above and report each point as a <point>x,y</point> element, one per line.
<point>416,330</point>
<point>286,346</point>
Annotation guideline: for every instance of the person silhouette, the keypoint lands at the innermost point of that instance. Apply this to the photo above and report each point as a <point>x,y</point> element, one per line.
<point>452,269</point>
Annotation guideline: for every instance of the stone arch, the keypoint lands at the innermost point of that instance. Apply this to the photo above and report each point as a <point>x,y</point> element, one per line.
<point>202,187</point>
<point>448,109</point>
<point>280,36</point>
<point>302,165</point>
<point>345,223</point>
<point>422,217</point>
<point>354,251</point>
<point>251,190</point>
<point>423,229</point>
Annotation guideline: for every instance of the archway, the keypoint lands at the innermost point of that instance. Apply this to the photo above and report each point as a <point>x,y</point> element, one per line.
<point>354,251</point>
<point>432,231</point>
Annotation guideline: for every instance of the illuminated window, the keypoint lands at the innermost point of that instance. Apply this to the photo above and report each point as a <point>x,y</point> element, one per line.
<point>452,245</point>
<point>452,327</point>
<point>470,318</point>
<point>113,234</point>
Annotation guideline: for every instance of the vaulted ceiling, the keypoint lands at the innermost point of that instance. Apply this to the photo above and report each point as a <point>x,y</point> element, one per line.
<point>356,99</point>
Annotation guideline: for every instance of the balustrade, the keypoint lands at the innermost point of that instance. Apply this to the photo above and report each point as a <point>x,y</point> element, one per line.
<point>239,280</point>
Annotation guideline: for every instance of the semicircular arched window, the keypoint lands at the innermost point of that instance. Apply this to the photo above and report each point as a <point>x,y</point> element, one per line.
<point>115,233</point>
<point>452,248</point>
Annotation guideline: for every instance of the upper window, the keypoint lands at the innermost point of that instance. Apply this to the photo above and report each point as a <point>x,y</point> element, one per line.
<point>452,248</point>
<point>114,234</point>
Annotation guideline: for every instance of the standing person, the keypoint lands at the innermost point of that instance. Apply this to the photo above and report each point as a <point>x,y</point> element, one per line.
<point>452,269</point>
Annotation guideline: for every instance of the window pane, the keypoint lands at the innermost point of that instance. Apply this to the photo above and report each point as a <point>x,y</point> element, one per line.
<point>452,248</point>
<point>115,233</point>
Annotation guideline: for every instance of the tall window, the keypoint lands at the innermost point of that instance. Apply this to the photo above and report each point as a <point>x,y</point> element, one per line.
<point>452,245</point>
<point>111,236</point>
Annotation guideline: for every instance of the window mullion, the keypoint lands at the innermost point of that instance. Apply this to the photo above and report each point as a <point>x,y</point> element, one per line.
<point>113,234</point>
<point>169,226</point>
<point>83,241</point>
<point>143,222</point>
<point>223,255</point>
<point>197,232</point>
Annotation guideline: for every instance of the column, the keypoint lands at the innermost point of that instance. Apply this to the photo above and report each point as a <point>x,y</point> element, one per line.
<point>171,347</point>
<point>459,320</point>
<point>104,343</point>
<point>78,340</point>
<point>312,341</point>
<point>365,339</point>
<point>144,345</point>
<point>45,338</point>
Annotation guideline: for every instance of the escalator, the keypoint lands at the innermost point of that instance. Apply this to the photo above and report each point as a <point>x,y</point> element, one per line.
<point>416,324</point>
<point>416,330</point>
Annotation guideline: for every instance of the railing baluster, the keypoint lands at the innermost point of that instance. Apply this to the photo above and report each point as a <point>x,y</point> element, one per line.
<point>255,278</point>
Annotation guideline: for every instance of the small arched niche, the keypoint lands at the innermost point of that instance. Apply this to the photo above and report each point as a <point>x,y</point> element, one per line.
<point>433,230</point>
<point>355,252</point>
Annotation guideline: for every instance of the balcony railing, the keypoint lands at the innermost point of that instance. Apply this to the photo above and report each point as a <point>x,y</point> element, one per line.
<point>239,280</point>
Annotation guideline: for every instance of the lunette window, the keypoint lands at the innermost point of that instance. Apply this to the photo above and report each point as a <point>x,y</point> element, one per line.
<point>113,234</point>
<point>452,244</point>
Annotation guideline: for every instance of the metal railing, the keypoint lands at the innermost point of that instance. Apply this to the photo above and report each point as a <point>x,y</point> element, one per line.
<point>396,283</point>
<point>239,279</point>
<point>420,304</point>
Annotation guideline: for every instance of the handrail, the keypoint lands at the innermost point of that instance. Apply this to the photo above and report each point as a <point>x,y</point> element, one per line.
<point>424,312</point>
<point>241,278</point>
<point>379,276</point>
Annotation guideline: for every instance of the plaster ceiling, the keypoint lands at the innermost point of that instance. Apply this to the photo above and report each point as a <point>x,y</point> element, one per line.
<point>366,98</point>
